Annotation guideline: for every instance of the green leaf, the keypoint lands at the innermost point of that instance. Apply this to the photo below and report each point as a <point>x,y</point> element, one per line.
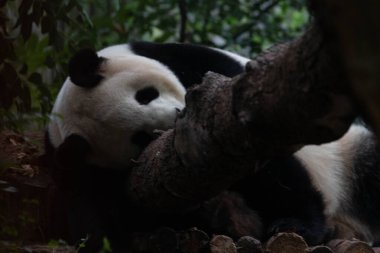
<point>106,246</point>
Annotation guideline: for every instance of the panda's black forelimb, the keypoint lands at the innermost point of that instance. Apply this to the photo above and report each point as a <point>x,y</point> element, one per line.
<point>72,152</point>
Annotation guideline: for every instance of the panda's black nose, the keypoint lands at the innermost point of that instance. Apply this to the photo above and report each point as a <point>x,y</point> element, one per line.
<point>146,95</point>
<point>181,113</point>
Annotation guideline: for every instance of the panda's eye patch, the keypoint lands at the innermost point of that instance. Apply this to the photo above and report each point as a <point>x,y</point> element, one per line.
<point>146,95</point>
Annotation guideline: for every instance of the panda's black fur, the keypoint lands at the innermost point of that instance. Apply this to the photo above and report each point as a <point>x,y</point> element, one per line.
<point>366,188</point>
<point>282,195</point>
<point>365,198</point>
<point>281,192</point>
<point>189,63</point>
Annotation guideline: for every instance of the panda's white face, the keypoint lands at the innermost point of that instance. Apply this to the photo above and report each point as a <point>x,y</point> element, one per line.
<point>136,96</point>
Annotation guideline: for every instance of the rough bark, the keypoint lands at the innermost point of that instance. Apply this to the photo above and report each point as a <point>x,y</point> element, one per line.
<point>286,243</point>
<point>248,244</point>
<point>347,246</point>
<point>319,249</point>
<point>291,95</point>
<point>222,244</point>
<point>356,26</point>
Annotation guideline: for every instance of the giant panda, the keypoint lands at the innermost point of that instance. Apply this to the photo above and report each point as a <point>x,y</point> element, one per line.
<point>107,111</point>
<point>114,99</point>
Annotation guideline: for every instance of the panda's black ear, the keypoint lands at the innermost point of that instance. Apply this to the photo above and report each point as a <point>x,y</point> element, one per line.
<point>84,68</point>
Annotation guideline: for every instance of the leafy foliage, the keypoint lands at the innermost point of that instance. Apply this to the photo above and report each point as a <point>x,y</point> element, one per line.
<point>37,37</point>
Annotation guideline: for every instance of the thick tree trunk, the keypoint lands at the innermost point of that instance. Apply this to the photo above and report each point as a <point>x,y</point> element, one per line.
<point>356,25</point>
<point>291,95</point>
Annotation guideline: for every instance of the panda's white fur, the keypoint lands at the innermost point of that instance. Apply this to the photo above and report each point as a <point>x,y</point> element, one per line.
<point>242,60</point>
<point>327,165</point>
<point>115,51</point>
<point>107,115</point>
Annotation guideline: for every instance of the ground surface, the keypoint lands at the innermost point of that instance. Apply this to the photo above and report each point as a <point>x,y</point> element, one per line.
<point>26,191</point>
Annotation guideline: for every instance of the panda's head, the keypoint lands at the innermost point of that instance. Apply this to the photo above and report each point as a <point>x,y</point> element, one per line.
<point>108,108</point>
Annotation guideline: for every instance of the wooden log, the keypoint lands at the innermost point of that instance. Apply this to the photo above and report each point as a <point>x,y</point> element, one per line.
<point>319,249</point>
<point>248,244</point>
<point>350,246</point>
<point>222,244</point>
<point>193,241</point>
<point>286,243</point>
